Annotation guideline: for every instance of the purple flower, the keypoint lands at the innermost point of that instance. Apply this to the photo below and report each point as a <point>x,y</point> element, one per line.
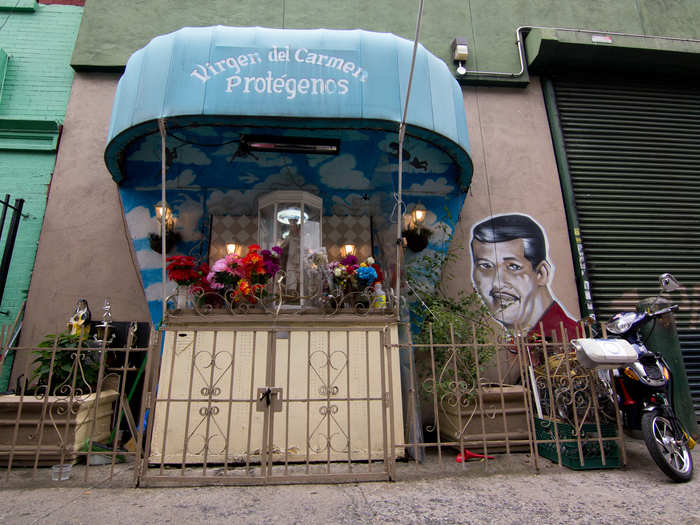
<point>349,260</point>
<point>277,250</point>
<point>271,267</point>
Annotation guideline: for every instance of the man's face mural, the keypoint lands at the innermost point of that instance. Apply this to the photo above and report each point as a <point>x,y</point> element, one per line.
<point>507,281</point>
<point>510,269</point>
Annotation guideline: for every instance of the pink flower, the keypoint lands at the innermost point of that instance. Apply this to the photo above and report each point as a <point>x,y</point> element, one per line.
<point>231,259</point>
<point>219,266</point>
<point>211,277</point>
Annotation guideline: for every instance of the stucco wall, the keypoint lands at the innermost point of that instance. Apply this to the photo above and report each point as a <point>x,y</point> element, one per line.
<point>83,249</point>
<point>514,172</point>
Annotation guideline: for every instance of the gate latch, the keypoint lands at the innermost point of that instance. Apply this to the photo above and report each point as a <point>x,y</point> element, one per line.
<point>269,398</point>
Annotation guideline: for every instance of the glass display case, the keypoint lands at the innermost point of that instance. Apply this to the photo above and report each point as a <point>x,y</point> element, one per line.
<point>291,220</point>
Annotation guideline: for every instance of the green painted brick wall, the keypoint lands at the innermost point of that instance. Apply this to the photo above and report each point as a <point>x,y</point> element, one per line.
<point>40,44</point>
<point>37,86</point>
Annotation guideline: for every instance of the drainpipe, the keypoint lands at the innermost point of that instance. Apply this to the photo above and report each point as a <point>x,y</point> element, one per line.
<point>567,189</point>
<point>10,240</point>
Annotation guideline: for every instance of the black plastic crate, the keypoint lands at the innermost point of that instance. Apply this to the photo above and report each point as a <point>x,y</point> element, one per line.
<point>592,458</point>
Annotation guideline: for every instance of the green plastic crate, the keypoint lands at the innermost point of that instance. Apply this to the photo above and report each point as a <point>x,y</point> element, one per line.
<point>544,430</point>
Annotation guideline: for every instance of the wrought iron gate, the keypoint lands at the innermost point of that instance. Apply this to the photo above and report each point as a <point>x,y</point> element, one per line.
<point>245,405</point>
<point>77,407</point>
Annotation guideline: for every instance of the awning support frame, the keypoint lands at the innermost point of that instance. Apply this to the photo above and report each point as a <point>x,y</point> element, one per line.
<point>163,134</point>
<point>402,134</point>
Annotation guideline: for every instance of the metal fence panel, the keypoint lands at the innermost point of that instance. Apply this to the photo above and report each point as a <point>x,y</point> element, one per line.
<point>251,404</point>
<point>81,416</point>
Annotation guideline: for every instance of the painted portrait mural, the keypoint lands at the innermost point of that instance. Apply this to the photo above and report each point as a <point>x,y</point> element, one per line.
<point>512,273</point>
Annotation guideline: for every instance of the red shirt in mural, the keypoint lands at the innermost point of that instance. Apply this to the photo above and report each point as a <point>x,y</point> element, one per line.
<point>552,320</point>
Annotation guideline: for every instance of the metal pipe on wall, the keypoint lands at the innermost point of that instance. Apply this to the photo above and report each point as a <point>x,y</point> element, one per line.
<point>520,39</point>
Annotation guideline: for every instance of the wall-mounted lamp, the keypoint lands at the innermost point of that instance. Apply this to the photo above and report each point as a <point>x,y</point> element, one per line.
<point>418,214</point>
<point>164,214</point>
<point>416,235</point>
<point>347,249</point>
<point>162,208</point>
<point>460,52</point>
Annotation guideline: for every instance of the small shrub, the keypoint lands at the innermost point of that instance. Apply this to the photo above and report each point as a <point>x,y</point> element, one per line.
<point>65,365</point>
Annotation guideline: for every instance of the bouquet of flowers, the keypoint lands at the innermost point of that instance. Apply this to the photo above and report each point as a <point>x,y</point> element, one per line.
<point>185,271</point>
<point>182,269</point>
<point>350,275</point>
<point>244,277</point>
<point>201,285</point>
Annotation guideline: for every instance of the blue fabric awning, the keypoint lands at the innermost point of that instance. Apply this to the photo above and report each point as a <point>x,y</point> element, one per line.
<point>292,81</point>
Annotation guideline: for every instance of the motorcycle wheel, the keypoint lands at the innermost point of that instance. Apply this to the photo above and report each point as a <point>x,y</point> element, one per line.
<point>672,457</point>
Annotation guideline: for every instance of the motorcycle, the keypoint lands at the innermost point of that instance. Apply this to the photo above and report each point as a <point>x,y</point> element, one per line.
<point>643,382</point>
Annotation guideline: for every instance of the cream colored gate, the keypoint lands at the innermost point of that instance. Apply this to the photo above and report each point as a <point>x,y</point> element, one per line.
<point>245,404</point>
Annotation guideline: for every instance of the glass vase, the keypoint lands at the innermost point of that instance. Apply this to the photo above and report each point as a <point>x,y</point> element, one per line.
<point>183,300</point>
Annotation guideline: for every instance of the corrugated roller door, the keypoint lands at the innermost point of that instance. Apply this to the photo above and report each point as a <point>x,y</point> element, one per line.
<point>634,159</point>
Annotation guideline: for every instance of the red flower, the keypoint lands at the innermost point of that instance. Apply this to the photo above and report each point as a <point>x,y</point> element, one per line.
<point>182,269</point>
<point>380,275</point>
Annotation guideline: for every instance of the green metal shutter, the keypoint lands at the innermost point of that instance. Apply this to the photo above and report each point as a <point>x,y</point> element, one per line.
<point>633,152</point>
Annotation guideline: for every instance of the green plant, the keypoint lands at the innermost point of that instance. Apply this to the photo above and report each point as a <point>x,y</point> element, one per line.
<point>65,365</point>
<point>458,323</point>
<point>452,324</point>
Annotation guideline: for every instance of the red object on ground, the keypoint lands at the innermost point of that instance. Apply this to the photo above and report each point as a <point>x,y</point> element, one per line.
<point>627,398</point>
<point>470,455</point>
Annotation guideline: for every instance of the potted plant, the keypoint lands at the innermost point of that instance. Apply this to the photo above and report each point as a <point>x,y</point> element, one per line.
<point>454,322</point>
<point>417,238</point>
<point>58,404</point>
<point>451,369</point>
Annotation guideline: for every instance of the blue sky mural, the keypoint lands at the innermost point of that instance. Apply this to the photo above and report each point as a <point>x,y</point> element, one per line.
<point>208,174</point>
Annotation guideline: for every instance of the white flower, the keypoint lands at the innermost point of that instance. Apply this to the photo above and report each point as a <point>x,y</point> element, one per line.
<point>338,272</point>
<point>370,260</point>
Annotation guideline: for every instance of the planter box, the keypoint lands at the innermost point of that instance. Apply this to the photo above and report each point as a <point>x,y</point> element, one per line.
<point>496,425</point>
<point>592,457</point>
<point>62,428</point>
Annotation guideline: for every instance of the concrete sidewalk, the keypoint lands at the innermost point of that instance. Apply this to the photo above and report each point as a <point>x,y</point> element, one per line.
<point>509,492</point>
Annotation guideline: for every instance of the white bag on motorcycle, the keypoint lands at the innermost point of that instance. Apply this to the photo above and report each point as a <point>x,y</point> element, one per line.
<point>604,353</point>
